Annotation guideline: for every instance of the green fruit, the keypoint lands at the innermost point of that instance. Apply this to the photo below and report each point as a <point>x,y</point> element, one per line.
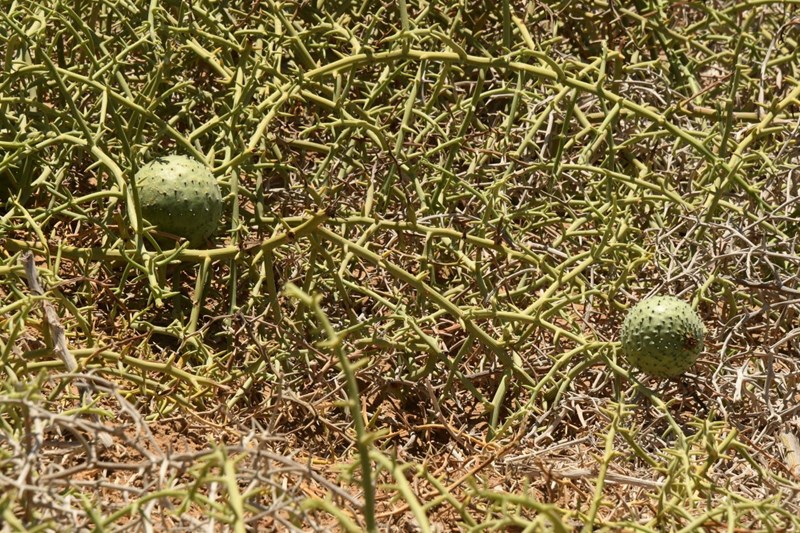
<point>180,196</point>
<point>662,336</point>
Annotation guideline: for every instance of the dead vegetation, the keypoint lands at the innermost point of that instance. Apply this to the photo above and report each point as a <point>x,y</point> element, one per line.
<point>436,215</point>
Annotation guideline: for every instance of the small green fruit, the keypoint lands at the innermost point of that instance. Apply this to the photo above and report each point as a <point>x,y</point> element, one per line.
<point>180,196</point>
<point>662,336</point>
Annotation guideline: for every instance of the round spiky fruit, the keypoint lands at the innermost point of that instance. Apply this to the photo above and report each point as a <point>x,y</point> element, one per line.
<point>662,336</point>
<point>180,196</point>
